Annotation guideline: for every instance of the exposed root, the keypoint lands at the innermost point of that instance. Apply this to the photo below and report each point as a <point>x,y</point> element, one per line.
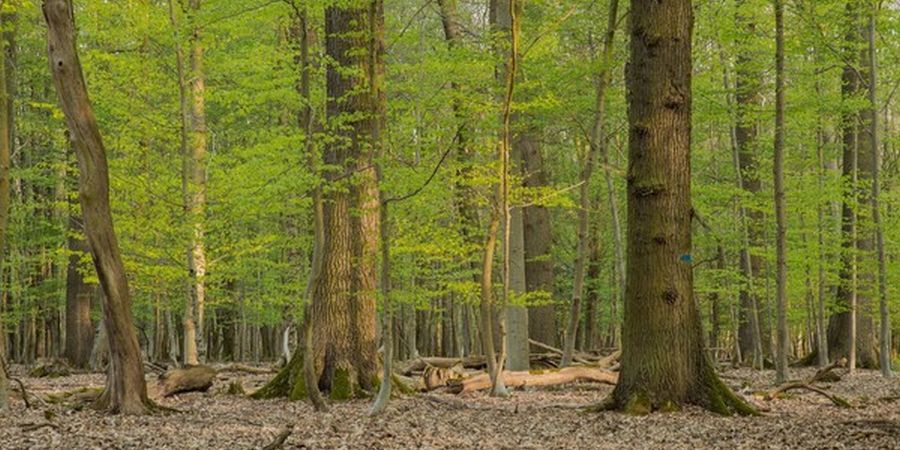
<point>279,440</point>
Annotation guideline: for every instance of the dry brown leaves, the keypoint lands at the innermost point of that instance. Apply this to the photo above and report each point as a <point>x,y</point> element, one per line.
<point>530,419</point>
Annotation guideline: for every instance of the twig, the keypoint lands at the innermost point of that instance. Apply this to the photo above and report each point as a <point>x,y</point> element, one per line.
<point>29,427</point>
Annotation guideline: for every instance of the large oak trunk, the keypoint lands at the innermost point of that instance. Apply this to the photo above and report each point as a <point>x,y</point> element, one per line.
<point>663,360</point>
<point>126,391</point>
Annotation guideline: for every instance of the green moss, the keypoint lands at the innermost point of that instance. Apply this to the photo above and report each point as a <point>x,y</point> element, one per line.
<point>670,406</point>
<point>298,390</point>
<point>638,405</point>
<point>341,385</point>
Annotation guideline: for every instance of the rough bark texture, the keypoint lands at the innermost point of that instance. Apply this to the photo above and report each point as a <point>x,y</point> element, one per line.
<point>856,141</point>
<point>126,391</point>
<point>663,360</point>
<point>343,305</point>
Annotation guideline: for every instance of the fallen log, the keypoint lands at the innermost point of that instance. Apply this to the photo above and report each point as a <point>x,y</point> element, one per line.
<point>419,364</point>
<point>188,379</point>
<point>537,378</point>
<point>577,358</point>
<point>247,369</point>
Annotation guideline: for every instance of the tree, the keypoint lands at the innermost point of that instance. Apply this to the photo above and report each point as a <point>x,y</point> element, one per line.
<point>597,147</point>
<point>663,360</point>
<point>5,145</point>
<point>126,391</point>
<point>854,322</point>
<point>885,317</point>
<point>782,345</point>
<point>748,86</point>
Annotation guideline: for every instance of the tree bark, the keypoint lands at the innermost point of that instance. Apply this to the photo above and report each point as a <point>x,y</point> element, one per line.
<point>663,360</point>
<point>126,391</point>
<point>858,165</point>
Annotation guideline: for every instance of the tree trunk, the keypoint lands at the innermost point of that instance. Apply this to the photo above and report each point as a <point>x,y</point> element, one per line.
<point>748,86</point>
<point>126,391</point>
<point>885,318</point>
<point>858,165</point>
<point>538,236</point>
<point>597,147</point>
<point>663,360</point>
<point>5,146</point>
<point>781,356</point>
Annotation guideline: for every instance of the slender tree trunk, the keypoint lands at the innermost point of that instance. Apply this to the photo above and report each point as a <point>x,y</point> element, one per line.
<point>126,391</point>
<point>596,148</point>
<point>663,360</point>
<point>515,317</point>
<point>748,97</point>
<point>5,147</point>
<point>885,318</point>
<point>821,340</point>
<point>781,349</point>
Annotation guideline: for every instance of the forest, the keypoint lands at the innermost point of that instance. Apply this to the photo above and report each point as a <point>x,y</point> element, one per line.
<point>449,224</point>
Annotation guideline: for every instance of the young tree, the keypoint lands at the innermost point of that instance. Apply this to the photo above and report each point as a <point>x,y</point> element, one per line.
<point>5,146</point>
<point>126,390</point>
<point>663,360</point>
<point>79,293</point>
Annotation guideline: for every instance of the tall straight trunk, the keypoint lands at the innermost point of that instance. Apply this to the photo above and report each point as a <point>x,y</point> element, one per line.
<point>5,147</point>
<point>821,341</point>
<point>126,390</point>
<point>885,318</point>
<point>783,343</point>
<point>749,100</point>
<point>663,360</point>
<point>196,192</point>
<point>79,329</point>
<point>597,147</point>
<point>538,240</point>
<point>855,321</point>
<point>503,20</point>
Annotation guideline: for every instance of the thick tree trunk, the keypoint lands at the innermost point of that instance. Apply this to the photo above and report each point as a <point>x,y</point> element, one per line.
<point>858,165</point>
<point>126,391</point>
<point>663,360</point>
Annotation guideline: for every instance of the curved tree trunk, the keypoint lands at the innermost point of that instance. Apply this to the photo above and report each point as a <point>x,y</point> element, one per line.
<point>663,360</point>
<point>126,391</point>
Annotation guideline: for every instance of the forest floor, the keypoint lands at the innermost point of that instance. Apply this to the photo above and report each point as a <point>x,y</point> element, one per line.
<point>542,418</point>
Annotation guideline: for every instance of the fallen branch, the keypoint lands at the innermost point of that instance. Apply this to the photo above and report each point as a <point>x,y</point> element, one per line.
<point>246,369</point>
<point>29,427</point>
<point>792,385</point>
<point>539,378</point>
<point>543,346</point>
<point>280,438</point>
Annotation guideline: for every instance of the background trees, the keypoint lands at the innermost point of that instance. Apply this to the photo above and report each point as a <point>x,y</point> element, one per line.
<point>441,94</point>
